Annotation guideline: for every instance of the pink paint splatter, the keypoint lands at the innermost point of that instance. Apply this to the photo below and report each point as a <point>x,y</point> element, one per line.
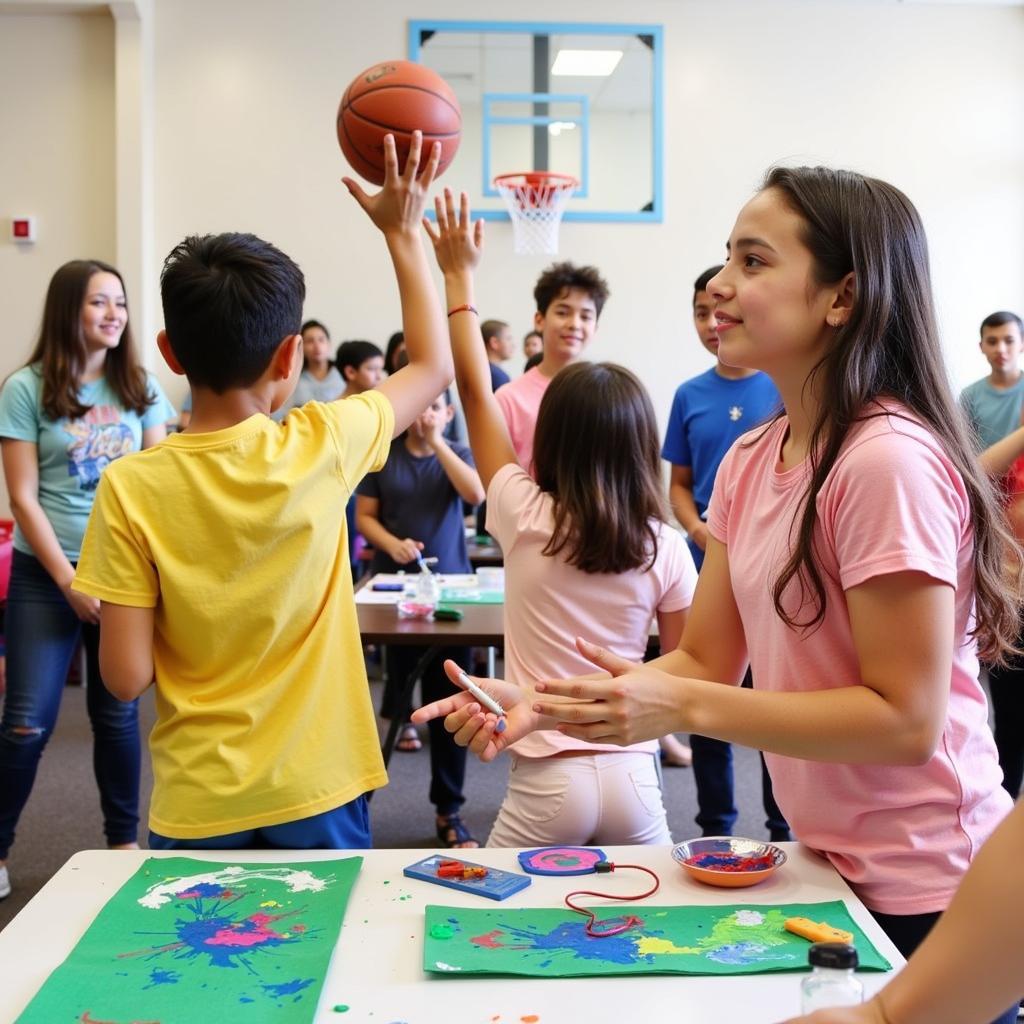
<point>488,941</point>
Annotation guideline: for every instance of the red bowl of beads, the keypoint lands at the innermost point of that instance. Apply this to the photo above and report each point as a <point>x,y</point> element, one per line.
<point>728,861</point>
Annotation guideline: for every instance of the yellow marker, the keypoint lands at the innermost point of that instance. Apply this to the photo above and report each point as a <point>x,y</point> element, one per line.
<point>816,931</point>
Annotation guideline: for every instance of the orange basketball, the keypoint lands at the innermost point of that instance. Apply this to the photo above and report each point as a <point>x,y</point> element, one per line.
<point>397,96</point>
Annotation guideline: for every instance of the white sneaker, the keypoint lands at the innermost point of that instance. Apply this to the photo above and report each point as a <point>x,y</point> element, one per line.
<point>5,883</point>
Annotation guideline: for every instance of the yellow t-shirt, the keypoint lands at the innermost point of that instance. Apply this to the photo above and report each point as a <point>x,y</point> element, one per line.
<point>237,539</point>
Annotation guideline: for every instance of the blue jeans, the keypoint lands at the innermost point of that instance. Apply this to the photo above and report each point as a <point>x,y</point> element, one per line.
<point>345,828</point>
<point>42,633</point>
<point>716,804</point>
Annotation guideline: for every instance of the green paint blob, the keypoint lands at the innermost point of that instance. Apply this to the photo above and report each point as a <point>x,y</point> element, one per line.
<point>441,931</point>
<point>341,1008</point>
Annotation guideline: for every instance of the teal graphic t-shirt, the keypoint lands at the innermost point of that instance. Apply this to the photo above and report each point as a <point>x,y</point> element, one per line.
<point>73,453</point>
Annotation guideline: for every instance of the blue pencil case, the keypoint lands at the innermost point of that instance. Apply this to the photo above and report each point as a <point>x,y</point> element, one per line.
<point>495,885</point>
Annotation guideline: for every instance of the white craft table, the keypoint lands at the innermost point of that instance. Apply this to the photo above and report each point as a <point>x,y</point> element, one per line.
<point>376,969</point>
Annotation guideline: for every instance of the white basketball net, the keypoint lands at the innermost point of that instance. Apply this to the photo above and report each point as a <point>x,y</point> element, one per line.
<point>536,201</point>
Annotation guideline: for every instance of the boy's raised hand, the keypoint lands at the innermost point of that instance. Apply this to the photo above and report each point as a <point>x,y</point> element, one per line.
<point>473,726</point>
<point>458,241</point>
<point>398,207</point>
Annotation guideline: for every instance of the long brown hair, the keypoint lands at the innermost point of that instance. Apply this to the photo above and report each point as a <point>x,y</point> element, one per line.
<point>62,354</point>
<point>889,348</point>
<point>596,452</point>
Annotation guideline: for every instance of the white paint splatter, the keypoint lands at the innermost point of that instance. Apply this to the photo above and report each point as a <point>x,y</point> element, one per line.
<point>749,918</point>
<point>297,881</point>
<point>445,967</point>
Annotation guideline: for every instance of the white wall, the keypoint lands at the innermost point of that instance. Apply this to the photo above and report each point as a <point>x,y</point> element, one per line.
<point>244,102</point>
<point>56,161</point>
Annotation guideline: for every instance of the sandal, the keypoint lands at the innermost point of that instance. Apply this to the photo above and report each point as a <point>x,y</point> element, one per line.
<point>409,740</point>
<point>454,835</point>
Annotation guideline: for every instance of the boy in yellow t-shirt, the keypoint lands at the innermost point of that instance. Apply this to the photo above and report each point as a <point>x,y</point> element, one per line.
<point>221,560</point>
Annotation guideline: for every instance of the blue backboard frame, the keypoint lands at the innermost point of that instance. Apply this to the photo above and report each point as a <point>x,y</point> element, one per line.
<point>656,214</point>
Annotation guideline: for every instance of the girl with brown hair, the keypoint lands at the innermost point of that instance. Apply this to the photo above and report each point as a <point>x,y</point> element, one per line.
<point>586,549</point>
<point>80,402</point>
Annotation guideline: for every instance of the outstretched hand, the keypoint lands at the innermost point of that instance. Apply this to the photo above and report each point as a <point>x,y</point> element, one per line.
<point>398,207</point>
<point>458,241</point>
<point>475,727</point>
<point>635,704</point>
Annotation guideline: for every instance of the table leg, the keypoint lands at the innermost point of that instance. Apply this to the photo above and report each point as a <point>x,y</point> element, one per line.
<point>410,684</point>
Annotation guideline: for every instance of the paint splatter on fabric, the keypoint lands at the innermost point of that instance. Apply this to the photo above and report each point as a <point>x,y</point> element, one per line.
<point>187,939</point>
<point>541,942</point>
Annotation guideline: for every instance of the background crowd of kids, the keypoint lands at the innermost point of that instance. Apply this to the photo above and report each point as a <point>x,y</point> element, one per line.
<point>853,534</point>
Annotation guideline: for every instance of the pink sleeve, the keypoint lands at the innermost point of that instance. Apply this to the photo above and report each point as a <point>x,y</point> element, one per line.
<point>721,496</point>
<point>511,497</point>
<point>894,504</point>
<point>677,571</point>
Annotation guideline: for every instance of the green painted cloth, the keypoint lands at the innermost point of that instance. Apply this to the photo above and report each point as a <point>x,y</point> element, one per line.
<point>186,940</point>
<point>545,943</point>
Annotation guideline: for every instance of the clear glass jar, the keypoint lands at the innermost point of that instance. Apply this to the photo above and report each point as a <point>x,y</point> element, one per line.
<point>831,981</point>
<point>420,595</point>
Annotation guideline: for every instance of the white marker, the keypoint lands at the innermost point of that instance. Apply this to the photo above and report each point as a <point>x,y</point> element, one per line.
<point>488,702</point>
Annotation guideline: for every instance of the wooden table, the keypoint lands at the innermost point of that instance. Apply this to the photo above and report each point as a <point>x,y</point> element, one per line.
<point>482,625</point>
<point>377,970</point>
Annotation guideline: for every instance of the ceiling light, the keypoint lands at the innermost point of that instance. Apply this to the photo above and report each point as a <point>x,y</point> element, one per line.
<point>586,63</point>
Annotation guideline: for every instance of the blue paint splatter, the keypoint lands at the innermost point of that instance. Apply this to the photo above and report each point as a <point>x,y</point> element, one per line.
<point>287,988</point>
<point>571,937</point>
<point>743,953</point>
<point>159,977</point>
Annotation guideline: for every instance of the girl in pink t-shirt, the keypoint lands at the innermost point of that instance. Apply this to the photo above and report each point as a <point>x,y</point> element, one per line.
<point>585,550</point>
<point>858,560</point>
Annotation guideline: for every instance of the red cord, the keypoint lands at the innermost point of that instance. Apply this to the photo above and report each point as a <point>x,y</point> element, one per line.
<point>628,922</point>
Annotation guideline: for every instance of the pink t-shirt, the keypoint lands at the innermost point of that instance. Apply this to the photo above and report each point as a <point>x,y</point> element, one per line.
<point>902,836</point>
<point>548,603</point>
<point>520,402</point>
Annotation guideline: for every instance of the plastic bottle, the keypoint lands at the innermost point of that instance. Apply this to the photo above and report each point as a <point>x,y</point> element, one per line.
<point>831,981</point>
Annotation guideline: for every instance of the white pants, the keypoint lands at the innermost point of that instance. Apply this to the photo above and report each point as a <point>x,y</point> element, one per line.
<point>611,798</point>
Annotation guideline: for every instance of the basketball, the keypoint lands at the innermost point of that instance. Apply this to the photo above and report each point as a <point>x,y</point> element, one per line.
<point>397,96</point>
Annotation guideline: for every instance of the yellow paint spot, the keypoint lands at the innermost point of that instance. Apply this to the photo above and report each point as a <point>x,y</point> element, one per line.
<point>649,944</point>
<point>270,903</point>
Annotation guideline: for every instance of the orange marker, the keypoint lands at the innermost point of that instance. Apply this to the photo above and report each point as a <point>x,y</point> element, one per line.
<point>816,931</point>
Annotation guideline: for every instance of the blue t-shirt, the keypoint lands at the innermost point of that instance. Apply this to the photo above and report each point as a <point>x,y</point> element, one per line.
<point>709,412</point>
<point>498,376</point>
<point>73,453</point>
<point>418,500</point>
<point>993,412</point>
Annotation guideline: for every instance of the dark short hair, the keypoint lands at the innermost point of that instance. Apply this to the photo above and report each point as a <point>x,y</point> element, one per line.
<point>560,278</point>
<point>701,284</point>
<point>229,301</point>
<point>1004,316</point>
<point>355,353</point>
<point>491,329</point>
<point>314,323</point>
<point>395,342</point>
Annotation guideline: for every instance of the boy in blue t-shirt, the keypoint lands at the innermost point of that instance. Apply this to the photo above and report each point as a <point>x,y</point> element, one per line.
<point>413,507</point>
<point>709,412</point>
<point>993,404</point>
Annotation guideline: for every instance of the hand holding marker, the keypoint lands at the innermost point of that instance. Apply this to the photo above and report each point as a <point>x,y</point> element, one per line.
<point>487,701</point>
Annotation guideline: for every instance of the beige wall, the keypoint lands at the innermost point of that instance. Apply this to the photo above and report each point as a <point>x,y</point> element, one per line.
<point>56,160</point>
<point>242,110</point>
<point>246,95</point>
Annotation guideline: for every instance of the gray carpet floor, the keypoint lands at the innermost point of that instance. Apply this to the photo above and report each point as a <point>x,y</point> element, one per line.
<point>63,816</point>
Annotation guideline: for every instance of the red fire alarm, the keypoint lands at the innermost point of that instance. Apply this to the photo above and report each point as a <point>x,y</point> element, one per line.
<point>23,229</point>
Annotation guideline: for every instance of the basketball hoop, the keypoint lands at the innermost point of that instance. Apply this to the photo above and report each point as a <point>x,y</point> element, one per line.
<point>536,201</point>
